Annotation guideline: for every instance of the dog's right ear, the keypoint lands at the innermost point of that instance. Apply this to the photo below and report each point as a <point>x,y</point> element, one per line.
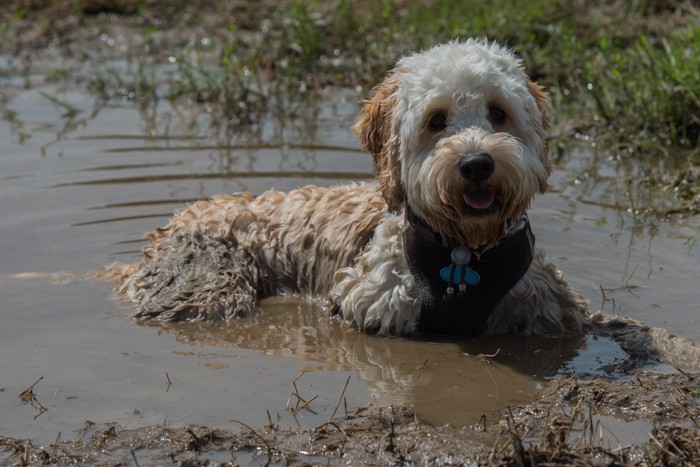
<point>379,136</point>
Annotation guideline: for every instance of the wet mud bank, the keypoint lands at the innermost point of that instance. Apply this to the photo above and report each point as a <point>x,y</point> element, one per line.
<point>626,394</point>
<point>648,419</point>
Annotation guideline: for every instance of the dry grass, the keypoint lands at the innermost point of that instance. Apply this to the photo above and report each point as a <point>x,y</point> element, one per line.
<point>561,428</point>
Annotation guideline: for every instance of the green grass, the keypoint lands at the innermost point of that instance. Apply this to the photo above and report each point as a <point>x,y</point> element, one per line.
<point>651,89</point>
<point>624,73</point>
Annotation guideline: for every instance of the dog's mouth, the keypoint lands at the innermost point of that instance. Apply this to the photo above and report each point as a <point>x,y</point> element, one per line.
<point>480,201</point>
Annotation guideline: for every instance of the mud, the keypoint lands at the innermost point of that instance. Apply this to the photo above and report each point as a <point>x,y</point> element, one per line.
<point>517,402</point>
<point>573,422</point>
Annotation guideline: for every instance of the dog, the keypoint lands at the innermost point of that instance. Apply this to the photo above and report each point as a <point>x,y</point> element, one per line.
<point>441,244</point>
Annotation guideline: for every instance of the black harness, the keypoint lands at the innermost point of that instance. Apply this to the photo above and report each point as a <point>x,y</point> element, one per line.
<point>459,286</point>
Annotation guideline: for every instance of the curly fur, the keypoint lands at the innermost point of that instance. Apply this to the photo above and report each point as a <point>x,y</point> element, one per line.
<point>217,258</point>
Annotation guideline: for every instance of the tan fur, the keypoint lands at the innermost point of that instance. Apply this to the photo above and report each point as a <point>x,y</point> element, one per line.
<point>542,100</point>
<point>374,129</point>
<point>285,242</point>
<point>344,244</point>
<point>440,207</point>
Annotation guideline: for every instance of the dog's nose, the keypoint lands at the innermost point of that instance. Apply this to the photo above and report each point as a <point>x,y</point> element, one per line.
<point>476,167</point>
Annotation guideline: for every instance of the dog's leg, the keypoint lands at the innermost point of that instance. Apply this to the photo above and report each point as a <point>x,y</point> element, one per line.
<point>377,293</point>
<point>194,277</point>
<point>199,267</point>
<point>542,303</point>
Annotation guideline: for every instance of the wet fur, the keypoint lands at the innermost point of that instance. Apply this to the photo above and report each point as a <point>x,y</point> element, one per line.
<point>217,258</point>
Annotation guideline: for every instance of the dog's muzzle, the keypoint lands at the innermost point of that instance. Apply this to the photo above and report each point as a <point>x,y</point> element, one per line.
<point>476,169</point>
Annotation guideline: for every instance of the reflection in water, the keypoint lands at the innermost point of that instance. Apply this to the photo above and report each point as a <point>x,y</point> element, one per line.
<point>80,188</point>
<point>444,380</point>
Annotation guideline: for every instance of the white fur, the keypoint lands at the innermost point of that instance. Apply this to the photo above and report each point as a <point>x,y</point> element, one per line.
<point>461,80</point>
<point>378,292</point>
<point>217,257</point>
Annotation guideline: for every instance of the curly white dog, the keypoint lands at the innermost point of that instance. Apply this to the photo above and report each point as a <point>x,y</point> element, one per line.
<point>441,245</point>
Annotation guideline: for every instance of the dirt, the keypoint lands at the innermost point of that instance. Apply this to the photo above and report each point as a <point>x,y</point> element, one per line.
<point>569,424</point>
<point>574,420</point>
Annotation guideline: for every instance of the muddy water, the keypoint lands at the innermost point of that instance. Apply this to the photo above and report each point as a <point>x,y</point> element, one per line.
<point>79,190</point>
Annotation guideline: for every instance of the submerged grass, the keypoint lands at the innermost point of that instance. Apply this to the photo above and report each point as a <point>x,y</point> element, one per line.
<point>625,74</point>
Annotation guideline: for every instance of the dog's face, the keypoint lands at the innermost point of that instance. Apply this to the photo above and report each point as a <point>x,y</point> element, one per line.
<point>459,134</point>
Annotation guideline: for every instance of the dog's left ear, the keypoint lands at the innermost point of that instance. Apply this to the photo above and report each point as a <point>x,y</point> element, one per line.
<point>542,103</point>
<point>375,129</point>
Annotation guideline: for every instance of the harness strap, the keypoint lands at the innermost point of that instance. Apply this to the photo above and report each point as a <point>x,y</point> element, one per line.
<point>493,273</point>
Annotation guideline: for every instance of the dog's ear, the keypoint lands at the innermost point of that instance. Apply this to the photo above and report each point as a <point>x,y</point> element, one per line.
<point>542,101</point>
<point>376,130</point>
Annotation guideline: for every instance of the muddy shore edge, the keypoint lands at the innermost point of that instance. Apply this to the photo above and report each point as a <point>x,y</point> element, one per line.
<point>564,426</point>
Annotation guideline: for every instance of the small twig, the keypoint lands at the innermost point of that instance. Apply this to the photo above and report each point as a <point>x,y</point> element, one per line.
<point>495,385</point>
<point>170,383</point>
<point>482,419</point>
<point>70,110</point>
<point>347,381</point>
<point>267,445</point>
<point>605,298</point>
<point>621,449</point>
<point>341,451</point>
<point>332,423</point>
<point>592,428</point>
<point>305,405</point>
<point>296,390</point>
<point>573,416</point>
<point>55,444</point>
<point>301,403</point>
<point>29,392</point>
<point>625,283</point>
<point>29,397</point>
<point>484,356</point>
<point>518,449</point>
<point>641,383</point>
<point>136,461</point>
<point>42,409</point>
<point>658,443</point>
<point>272,425</point>
<point>197,444</point>
<point>690,377</point>
<point>330,419</point>
<point>391,447</point>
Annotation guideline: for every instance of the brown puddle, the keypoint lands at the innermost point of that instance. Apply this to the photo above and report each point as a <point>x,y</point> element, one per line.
<point>446,381</point>
<point>80,192</point>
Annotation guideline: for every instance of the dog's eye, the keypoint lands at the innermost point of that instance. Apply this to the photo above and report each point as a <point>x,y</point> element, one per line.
<point>496,115</point>
<point>437,122</point>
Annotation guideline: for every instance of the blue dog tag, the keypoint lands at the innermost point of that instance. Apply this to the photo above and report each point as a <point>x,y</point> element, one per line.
<point>471,277</point>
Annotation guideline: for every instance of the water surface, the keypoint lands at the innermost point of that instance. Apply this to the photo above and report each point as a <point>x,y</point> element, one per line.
<point>79,191</point>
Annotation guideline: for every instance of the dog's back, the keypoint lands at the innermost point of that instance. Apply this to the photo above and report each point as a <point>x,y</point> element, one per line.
<point>216,258</point>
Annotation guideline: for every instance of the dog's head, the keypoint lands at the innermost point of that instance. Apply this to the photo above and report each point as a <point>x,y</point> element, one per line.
<point>458,132</point>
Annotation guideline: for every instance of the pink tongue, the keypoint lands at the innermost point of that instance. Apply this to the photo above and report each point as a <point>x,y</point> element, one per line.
<point>482,199</point>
